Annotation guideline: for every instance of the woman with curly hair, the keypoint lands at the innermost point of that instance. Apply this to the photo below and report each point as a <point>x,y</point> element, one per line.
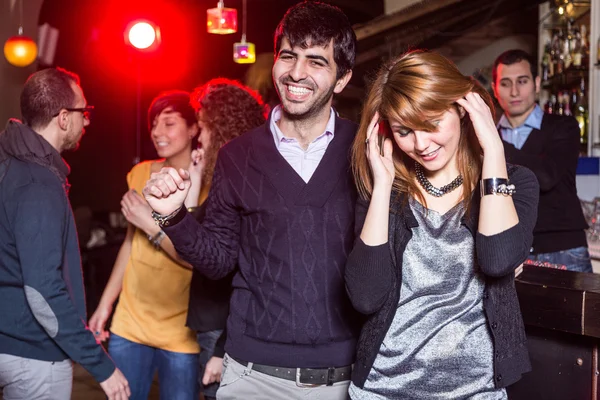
<point>443,222</point>
<point>225,109</point>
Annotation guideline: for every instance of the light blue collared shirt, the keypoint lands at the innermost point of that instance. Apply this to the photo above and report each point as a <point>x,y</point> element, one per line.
<point>304,162</point>
<point>517,136</point>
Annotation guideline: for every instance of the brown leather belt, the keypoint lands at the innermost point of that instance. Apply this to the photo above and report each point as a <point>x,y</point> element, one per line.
<point>303,376</point>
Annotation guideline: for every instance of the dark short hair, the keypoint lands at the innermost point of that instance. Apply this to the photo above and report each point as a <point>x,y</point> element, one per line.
<point>229,108</point>
<point>312,23</point>
<point>45,93</point>
<point>178,101</point>
<point>512,57</point>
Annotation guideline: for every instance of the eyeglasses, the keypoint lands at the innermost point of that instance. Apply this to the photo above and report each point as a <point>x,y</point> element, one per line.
<point>86,111</point>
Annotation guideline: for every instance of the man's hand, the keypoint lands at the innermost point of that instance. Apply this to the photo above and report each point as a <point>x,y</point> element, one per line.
<point>213,370</point>
<point>116,387</point>
<point>166,190</point>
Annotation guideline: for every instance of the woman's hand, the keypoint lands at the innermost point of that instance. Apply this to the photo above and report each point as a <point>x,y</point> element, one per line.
<point>137,211</point>
<point>98,320</point>
<point>196,171</point>
<point>483,123</point>
<point>382,166</point>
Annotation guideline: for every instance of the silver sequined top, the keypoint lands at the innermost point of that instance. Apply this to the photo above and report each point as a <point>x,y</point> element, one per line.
<point>438,345</point>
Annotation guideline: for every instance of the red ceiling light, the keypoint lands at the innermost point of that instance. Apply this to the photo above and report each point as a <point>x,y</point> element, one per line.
<point>142,35</point>
<point>221,20</point>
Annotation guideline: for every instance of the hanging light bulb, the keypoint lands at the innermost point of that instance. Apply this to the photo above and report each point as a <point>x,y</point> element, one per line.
<point>221,20</point>
<point>244,52</point>
<point>20,50</point>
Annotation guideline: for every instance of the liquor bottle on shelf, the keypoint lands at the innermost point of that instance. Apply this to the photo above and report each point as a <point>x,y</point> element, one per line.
<point>560,109</point>
<point>567,105</point>
<point>585,48</point>
<point>581,113</point>
<point>577,50</point>
<point>547,67</point>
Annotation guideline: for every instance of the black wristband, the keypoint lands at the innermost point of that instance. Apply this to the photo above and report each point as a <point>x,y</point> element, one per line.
<point>171,219</point>
<point>497,186</point>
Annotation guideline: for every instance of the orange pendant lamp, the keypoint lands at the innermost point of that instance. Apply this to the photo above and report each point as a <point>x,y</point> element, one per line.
<point>221,20</point>
<point>20,50</point>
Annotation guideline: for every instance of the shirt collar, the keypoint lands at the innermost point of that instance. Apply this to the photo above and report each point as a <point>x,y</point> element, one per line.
<point>280,137</point>
<point>534,120</point>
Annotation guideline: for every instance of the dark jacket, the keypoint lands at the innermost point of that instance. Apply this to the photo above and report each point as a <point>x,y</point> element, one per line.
<point>374,278</point>
<point>287,241</point>
<point>42,298</point>
<point>552,153</point>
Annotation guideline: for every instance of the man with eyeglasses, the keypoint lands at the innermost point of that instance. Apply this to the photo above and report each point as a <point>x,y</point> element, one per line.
<point>42,298</point>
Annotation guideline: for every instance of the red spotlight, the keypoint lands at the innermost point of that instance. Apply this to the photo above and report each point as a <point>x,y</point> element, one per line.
<point>142,35</point>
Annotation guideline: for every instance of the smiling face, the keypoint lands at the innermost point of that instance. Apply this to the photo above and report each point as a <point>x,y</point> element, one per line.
<point>305,79</point>
<point>171,135</point>
<point>516,89</point>
<point>435,151</point>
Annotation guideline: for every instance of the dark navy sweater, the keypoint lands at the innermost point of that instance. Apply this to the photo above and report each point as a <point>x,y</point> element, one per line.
<point>42,299</point>
<point>289,241</point>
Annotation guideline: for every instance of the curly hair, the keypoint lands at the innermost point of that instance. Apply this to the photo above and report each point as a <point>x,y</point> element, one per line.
<point>229,109</point>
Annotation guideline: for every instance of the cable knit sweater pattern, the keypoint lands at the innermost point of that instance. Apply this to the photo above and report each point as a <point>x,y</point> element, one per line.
<point>290,241</point>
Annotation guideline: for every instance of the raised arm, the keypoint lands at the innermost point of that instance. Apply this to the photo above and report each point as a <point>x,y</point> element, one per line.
<point>210,247</point>
<point>369,274</point>
<point>504,232</point>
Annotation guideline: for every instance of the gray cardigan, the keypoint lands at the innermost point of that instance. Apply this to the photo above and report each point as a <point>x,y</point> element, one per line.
<point>374,277</point>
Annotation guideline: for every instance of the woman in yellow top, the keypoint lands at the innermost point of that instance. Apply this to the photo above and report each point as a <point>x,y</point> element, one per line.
<point>149,332</point>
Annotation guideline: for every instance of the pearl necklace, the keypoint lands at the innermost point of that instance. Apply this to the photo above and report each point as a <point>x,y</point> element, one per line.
<point>432,190</point>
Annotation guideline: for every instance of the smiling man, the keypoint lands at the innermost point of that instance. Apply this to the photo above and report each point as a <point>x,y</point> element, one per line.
<point>549,146</point>
<point>280,214</point>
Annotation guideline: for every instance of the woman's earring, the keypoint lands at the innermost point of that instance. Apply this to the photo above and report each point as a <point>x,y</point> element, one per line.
<point>461,111</point>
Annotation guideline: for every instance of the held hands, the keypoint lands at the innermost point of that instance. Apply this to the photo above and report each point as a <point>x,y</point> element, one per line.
<point>167,189</point>
<point>137,211</point>
<point>483,122</point>
<point>382,166</point>
<point>213,370</point>
<point>116,386</point>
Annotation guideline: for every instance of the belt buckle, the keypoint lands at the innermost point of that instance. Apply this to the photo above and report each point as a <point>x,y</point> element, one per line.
<point>300,384</point>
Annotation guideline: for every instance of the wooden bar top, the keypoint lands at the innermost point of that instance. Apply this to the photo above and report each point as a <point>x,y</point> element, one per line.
<point>560,300</point>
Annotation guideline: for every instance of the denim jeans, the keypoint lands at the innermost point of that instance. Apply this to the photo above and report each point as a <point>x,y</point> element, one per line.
<point>207,341</point>
<point>576,259</point>
<point>177,372</point>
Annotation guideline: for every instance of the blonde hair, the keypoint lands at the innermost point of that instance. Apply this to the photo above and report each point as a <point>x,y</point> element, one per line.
<point>413,89</point>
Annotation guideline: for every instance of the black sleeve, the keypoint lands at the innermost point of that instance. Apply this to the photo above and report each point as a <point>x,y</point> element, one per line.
<point>369,272</point>
<point>560,155</point>
<point>220,344</point>
<point>500,254</point>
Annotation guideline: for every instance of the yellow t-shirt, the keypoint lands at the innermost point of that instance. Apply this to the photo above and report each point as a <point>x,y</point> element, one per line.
<point>153,304</point>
